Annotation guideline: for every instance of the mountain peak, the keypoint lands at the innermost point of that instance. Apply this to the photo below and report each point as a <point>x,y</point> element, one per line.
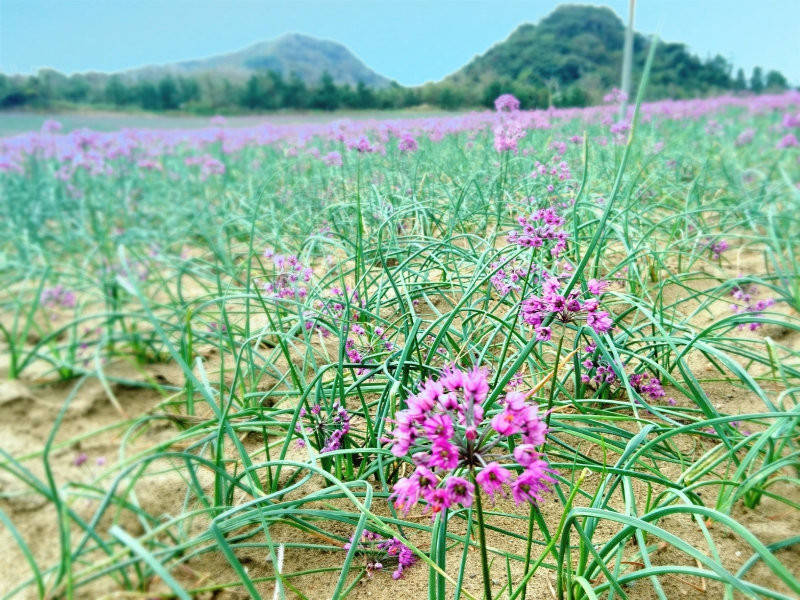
<point>306,56</point>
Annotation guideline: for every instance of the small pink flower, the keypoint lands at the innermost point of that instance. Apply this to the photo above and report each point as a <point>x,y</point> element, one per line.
<point>460,490</point>
<point>492,478</point>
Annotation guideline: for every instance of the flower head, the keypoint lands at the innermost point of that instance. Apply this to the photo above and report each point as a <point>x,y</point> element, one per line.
<point>445,431</point>
<point>379,552</point>
<point>506,103</point>
<point>552,305</point>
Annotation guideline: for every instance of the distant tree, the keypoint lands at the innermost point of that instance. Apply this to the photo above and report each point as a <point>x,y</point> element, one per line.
<point>51,84</point>
<point>149,98</point>
<point>116,92</point>
<point>13,92</point>
<point>409,97</point>
<point>326,95</point>
<point>77,89</point>
<point>740,83</point>
<point>446,95</point>
<point>189,90</point>
<point>717,72</point>
<point>776,82</point>
<point>296,94</point>
<point>491,92</point>
<point>276,89</point>
<point>757,80</point>
<point>168,93</point>
<point>253,94</point>
<point>365,98</point>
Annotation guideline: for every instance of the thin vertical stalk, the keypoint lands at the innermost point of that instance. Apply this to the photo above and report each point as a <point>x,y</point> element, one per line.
<point>487,582</point>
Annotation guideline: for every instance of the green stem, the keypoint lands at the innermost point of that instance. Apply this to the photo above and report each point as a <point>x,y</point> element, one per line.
<point>528,547</point>
<point>487,582</point>
<point>555,380</point>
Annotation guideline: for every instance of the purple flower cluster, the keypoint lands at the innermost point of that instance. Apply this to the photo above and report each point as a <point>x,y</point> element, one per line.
<point>365,344</point>
<point>596,372</point>
<point>333,159</point>
<point>446,431</point>
<point>506,278</point>
<point>507,135</point>
<point>506,103</point>
<point>57,296</point>
<point>380,552</point>
<point>747,136</point>
<point>333,307</point>
<point>288,277</point>
<point>717,247</point>
<point>788,141</point>
<point>560,170</point>
<point>362,145</point>
<point>327,426</point>
<point>543,225</point>
<point>647,385</point>
<point>208,165</point>
<point>538,310</point>
<point>51,126</point>
<point>407,143</point>
<point>615,96</point>
<point>748,305</point>
<point>791,121</point>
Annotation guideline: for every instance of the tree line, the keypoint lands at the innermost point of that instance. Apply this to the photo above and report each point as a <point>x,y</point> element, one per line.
<point>268,91</point>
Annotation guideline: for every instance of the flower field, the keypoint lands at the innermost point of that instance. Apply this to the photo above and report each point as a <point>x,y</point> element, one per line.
<point>509,354</point>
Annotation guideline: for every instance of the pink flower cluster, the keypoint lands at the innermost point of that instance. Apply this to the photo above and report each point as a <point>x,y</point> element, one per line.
<point>333,307</point>
<point>544,225</point>
<point>446,431</point>
<point>380,551</point>
<point>327,427</point>
<point>536,311</point>
<point>288,277</point>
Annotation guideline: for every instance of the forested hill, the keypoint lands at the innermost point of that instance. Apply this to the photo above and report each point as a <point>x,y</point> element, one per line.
<point>577,50</point>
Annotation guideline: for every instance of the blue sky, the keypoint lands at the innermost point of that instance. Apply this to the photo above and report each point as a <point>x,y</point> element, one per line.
<point>411,41</point>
